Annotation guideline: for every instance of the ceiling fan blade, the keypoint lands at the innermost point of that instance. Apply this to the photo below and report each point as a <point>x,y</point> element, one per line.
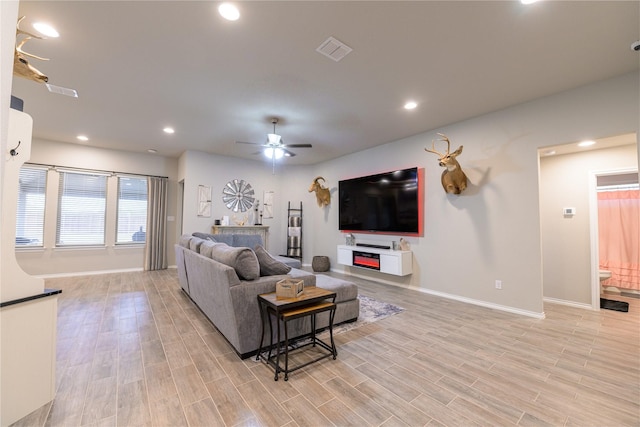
<point>251,143</point>
<point>298,145</point>
<point>288,153</point>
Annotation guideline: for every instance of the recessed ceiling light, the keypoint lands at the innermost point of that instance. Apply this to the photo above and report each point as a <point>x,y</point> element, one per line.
<point>586,143</point>
<point>410,105</point>
<point>46,29</point>
<point>168,130</point>
<point>152,151</point>
<point>528,1</point>
<point>229,11</point>
<point>82,138</point>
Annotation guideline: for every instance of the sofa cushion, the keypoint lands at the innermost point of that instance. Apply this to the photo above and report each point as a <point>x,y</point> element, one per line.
<point>269,266</point>
<point>207,246</point>
<point>243,260</point>
<point>246,240</point>
<point>204,236</point>
<point>195,243</point>
<point>344,289</point>
<point>223,238</point>
<point>184,240</point>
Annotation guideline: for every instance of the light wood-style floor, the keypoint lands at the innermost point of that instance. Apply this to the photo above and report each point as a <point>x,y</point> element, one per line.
<point>134,350</point>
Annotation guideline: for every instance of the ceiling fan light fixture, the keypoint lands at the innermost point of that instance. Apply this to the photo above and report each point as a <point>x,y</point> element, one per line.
<point>271,153</point>
<point>273,138</point>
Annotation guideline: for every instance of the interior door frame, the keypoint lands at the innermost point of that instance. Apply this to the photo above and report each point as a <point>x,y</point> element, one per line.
<point>593,229</point>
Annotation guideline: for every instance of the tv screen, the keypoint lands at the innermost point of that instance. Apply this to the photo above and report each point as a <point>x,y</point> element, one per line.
<point>386,202</point>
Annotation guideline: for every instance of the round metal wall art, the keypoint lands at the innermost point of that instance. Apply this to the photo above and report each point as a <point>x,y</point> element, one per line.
<point>237,195</point>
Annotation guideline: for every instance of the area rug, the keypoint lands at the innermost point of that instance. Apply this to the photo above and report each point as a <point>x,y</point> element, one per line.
<point>371,310</point>
<point>609,304</point>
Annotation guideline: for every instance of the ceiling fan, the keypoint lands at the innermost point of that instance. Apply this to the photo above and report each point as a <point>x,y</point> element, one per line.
<point>274,147</point>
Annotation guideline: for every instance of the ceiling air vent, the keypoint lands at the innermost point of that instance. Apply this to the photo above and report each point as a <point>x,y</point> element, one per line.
<point>334,49</point>
<point>62,90</point>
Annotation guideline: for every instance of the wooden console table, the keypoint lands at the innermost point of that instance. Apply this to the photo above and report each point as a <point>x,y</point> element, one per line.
<point>314,300</point>
<point>261,230</point>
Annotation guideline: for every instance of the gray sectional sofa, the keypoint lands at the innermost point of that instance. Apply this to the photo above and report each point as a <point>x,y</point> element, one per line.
<point>224,280</point>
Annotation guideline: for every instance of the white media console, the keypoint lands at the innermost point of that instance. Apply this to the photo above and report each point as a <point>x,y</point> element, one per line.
<point>399,263</point>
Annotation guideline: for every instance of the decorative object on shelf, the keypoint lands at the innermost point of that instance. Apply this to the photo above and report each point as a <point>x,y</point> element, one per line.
<point>350,239</point>
<point>320,263</point>
<point>404,245</point>
<point>453,179</point>
<point>204,201</point>
<point>267,206</point>
<point>322,193</point>
<point>395,245</point>
<point>237,195</point>
<point>242,221</point>
<point>257,214</point>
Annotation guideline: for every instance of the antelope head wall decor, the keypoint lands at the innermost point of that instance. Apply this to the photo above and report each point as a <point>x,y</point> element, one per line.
<point>322,193</point>
<point>21,66</point>
<point>453,179</point>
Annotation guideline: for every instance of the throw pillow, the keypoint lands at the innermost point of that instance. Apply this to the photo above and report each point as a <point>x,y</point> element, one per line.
<point>184,240</point>
<point>269,266</point>
<point>242,260</point>
<point>195,243</point>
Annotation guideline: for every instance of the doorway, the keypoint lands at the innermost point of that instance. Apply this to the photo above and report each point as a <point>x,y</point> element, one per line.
<point>624,177</point>
<point>568,235</point>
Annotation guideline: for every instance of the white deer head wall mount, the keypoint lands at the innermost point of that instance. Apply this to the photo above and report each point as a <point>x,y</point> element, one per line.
<point>453,179</point>
<point>21,66</point>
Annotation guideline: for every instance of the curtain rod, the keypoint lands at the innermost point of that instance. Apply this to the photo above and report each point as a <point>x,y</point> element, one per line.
<point>94,170</point>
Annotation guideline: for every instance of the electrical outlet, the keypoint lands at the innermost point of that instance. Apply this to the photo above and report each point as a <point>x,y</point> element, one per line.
<point>498,284</point>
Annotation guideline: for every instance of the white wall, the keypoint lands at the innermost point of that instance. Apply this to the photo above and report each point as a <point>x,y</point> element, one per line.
<point>198,168</point>
<point>50,260</point>
<point>492,231</point>
<point>564,182</point>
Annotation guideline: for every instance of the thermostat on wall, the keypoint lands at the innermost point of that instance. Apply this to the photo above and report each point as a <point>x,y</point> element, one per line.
<point>569,211</point>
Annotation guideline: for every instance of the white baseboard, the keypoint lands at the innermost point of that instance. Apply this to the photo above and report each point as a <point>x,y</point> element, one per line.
<point>87,273</point>
<point>454,297</point>
<point>568,303</point>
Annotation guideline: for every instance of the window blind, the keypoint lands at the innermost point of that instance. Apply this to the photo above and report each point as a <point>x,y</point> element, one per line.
<point>81,209</point>
<point>31,203</point>
<point>132,210</point>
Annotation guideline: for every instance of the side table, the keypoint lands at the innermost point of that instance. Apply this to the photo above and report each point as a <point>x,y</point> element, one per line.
<point>314,300</point>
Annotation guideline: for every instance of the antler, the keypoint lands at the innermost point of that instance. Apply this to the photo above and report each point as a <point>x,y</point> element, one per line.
<point>26,39</point>
<point>433,146</point>
<point>317,178</point>
<point>445,138</point>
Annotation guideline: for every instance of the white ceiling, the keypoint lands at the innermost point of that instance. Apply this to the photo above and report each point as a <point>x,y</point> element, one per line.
<point>141,65</point>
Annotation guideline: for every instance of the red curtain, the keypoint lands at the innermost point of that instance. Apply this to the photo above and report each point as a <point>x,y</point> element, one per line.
<point>619,235</point>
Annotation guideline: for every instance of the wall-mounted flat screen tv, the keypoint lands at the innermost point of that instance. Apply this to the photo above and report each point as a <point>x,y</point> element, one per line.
<point>386,202</point>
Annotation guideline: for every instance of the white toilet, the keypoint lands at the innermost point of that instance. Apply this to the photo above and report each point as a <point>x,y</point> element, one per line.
<point>604,275</point>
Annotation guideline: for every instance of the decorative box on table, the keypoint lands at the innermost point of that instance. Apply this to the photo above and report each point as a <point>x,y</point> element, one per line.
<point>289,288</point>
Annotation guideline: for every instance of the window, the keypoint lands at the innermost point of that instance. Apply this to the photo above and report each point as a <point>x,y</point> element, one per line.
<point>30,213</point>
<point>81,209</point>
<point>132,210</point>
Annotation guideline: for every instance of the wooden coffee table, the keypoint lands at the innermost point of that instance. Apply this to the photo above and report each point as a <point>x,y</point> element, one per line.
<point>314,300</point>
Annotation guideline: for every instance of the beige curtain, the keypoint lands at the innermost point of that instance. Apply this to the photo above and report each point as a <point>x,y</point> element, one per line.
<point>155,254</point>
